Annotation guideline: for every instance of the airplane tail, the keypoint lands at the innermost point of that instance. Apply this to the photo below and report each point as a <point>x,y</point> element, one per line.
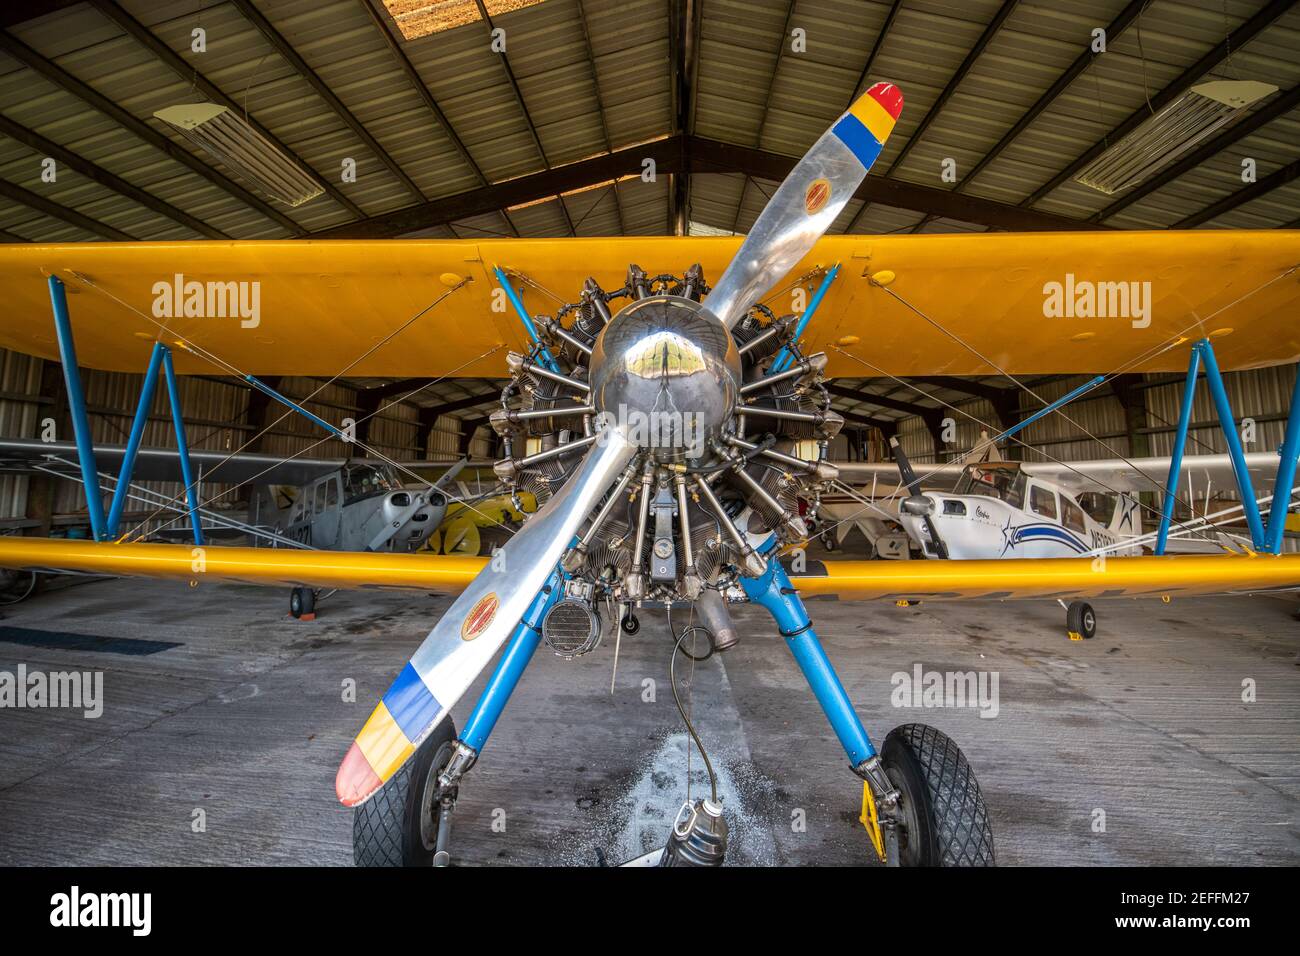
<point>1127,517</point>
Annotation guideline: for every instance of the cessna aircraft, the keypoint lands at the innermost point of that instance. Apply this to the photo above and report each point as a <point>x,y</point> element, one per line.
<point>701,511</point>
<point>993,509</point>
<point>330,504</point>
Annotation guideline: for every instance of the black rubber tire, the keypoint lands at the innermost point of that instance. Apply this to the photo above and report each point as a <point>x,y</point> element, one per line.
<point>945,822</point>
<point>1081,619</point>
<point>302,601</point>
<point>631,624</point>
<point>387,829</point>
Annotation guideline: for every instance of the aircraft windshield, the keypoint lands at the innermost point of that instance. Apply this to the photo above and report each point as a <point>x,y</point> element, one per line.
<point>359,481</point>
<point>1004,484</point>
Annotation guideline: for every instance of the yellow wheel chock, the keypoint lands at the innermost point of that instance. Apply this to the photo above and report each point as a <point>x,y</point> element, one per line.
<point>871,821</point>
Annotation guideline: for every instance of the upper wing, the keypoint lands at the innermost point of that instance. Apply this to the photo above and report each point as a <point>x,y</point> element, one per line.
<point>855,580</point>
<point>884,477</point>
<point>163,464</point>
<point>322,304</point>
<point>1150,474</point>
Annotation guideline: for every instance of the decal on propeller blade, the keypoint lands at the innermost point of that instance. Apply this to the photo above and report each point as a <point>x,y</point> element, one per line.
<point>479,617</point>
<point>817,196</point>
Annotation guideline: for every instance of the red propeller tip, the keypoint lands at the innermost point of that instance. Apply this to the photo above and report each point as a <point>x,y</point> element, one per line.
<point>355,780</point>
<point>889,96</point>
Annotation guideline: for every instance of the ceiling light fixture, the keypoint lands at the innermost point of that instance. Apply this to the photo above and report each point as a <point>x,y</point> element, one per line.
<point>1170,133</point>
<point>225,134</point>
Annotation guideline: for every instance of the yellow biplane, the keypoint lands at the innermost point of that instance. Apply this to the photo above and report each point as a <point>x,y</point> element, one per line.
<point>663,419</point>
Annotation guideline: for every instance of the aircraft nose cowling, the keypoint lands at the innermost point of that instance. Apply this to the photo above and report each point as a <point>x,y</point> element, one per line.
<point>668,372</point>
<point>918,505</point>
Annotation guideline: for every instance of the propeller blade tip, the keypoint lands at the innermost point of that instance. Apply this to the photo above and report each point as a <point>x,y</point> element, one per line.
<point>889,96</point>
<point>356,779</point>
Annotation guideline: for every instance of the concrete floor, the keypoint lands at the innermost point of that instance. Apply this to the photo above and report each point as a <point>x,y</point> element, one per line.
<point>245,721</point>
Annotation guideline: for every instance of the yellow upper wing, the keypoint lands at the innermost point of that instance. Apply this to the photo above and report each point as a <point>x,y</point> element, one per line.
<point>855,580</point>
<point>322,304</point>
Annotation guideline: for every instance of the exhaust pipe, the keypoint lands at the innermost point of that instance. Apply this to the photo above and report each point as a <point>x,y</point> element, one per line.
<point>713,612</point>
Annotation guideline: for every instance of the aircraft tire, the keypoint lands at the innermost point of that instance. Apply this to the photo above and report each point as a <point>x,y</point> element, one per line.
<point>398,826</point>
<point>944,820</point>
<point>1081,619</point>
<point>302,603</point>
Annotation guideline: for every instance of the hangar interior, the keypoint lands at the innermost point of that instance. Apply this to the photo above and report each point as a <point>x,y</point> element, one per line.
<point>448,137</point>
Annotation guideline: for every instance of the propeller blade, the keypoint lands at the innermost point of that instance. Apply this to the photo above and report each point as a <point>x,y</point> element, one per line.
<point>478,622</point>
<point>806,204</point>
<point>905,468</point>
<point>916,503</point>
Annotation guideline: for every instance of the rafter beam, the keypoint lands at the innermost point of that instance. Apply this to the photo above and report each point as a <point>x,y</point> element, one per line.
<point>885,425</point>
<point>712,156</point>
<point>1286,174</point>
<point>295,60</point>
<point>685,60</point>
<point>61,78</point>
<point>45,147</point>
<point>187,72</point>
<point>883,401</point>
<point>990,31</point>
<point>1113,32</point>
<point>63,213</point>
<point>667,154</point>
<point>1237,39</point>
<point>676,154</point>
<point>523,109</point>
<point>767,108</point>
<point>600,108</point>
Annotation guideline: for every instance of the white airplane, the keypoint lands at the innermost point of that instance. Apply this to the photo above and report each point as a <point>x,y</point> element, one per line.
<point>1009,509</point>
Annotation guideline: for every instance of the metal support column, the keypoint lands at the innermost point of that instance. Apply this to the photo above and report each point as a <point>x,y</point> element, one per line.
<point>77,407</point>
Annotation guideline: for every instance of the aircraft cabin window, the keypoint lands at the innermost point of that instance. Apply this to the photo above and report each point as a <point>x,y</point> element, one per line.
<point>1072,516</point>
<point>364,480</point>
<point>1003,483</point>
<point>332,493</point>
<point>1098,505</point>
<point>1042,501</point>
<point>320,498</point>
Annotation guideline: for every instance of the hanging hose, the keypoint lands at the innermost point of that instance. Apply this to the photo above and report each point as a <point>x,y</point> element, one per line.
<point>690,728</point>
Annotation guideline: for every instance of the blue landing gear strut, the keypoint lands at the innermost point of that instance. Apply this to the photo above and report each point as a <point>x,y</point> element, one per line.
<point>921,804</point>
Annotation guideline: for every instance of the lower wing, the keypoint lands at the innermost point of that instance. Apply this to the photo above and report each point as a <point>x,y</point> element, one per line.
<point>852,580</point>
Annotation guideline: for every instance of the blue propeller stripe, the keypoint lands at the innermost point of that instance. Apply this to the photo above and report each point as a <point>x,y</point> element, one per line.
<point>853,133</point>
<point>410,702</point>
